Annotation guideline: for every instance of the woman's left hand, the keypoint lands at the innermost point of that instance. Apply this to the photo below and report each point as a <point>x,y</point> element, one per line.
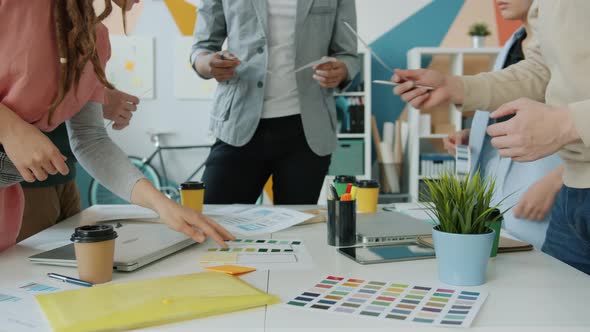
<point>180,218</point>
<point>330,74</point>
<point>194,224</point>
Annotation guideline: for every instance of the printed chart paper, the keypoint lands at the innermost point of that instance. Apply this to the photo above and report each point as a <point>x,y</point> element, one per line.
<point>313,63</point>
<point>18,309</point>
<point>415,210</point>
<point>425,305</point>
<point>252,221</point>
<point>263,254</point>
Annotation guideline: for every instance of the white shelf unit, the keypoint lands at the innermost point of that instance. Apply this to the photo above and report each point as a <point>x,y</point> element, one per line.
<point>415,57</point>
<point>366,135</point>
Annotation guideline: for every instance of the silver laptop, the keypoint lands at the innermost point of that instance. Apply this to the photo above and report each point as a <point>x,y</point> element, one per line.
<point>139,243</point>
<point>390,227</point>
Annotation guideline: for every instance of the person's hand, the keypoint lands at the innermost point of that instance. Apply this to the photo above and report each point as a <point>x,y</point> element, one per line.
<point>32,153</point>
<point>119,107</point>
<point>538,200</point>
<point>220,66</point>
<point>330,74</point>
<point>446,88</point>
<point>536,131</point>
<point>181,219</point>
<point>459,138</point>
<point>194,224</point>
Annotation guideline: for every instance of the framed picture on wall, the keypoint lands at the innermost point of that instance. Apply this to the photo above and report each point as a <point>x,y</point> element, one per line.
<point>131,67</point>
<point>187,84</point>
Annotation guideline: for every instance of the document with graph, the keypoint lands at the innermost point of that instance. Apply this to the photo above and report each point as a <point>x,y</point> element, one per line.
<point>248,220</point>
<point>18,309</point>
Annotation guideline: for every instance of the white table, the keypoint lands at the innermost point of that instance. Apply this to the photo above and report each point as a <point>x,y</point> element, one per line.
<point>529,291</point>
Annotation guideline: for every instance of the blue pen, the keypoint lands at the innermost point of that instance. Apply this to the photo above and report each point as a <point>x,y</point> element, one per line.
<point>69,280</point>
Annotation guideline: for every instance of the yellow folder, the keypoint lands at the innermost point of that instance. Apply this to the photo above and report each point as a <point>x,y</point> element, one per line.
<point>140,304</point>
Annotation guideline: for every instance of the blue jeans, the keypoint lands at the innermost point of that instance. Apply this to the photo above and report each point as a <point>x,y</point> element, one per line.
<point>568,235</point>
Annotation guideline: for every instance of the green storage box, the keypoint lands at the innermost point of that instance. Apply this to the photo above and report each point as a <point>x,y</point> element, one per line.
<point>348,158</point>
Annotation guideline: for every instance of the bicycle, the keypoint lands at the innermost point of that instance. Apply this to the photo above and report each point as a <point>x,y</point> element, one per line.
<point>100,195</point>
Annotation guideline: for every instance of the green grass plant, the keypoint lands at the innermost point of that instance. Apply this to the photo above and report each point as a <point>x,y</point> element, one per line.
<point>462,205</point>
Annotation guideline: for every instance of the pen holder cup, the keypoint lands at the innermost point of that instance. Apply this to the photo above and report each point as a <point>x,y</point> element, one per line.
<point>341,223</point>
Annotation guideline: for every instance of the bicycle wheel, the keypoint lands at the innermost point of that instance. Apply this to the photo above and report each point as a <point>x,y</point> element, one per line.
<point>98,194</point>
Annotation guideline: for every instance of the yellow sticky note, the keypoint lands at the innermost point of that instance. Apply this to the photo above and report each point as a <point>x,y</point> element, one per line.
<point>141,304</point>
<point>219,257</point>
<point>230,269</point>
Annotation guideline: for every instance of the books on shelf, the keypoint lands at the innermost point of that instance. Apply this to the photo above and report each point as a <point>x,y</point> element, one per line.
<point>432,165</point>
<point>351,113</point>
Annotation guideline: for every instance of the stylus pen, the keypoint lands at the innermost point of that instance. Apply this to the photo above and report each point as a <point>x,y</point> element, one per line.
<point>69,280</point>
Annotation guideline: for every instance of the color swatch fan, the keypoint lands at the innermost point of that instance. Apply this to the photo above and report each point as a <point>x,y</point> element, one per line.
<point>133,305</point>
<point>424,305</point>
<point>262,254</point>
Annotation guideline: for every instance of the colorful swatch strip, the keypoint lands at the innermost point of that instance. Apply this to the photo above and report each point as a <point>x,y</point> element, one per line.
<point>251,250</point>
<point>35,287</point>
<point>402,302</point>
<point>9,298</point>
<point>262,242</point>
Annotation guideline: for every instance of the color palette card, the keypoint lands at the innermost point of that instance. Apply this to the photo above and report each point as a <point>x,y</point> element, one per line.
<point>402,302</point>
<point>265,254</point>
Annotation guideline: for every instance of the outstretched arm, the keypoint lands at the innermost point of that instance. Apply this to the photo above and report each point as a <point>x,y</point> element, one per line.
<point>106,162</point>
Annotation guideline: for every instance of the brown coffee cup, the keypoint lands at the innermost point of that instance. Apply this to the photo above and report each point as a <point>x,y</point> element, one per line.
<point>95,252</point>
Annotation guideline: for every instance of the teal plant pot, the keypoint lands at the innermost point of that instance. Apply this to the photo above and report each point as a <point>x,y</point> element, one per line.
<point>462,259</point>
<point>497,227</point>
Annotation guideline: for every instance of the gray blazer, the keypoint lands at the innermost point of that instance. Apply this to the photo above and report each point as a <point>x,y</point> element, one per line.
<point>319,31</point>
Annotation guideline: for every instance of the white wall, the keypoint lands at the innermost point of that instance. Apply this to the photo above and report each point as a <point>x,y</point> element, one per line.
<point>188,119</point>
<point>375,17</point>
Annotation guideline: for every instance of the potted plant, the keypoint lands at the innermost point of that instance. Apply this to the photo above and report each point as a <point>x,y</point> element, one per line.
<point>462,239</point>
<point>478,33</point>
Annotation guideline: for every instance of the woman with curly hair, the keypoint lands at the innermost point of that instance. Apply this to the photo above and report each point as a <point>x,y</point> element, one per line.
<point>54,53</point>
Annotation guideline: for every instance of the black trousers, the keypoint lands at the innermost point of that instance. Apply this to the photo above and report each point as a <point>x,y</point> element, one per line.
<point>236,175</point>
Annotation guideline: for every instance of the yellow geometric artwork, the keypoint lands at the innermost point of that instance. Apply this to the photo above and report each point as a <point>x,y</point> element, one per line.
<point>137,82</point>
<point>184,15</point>
<point>129,65</point>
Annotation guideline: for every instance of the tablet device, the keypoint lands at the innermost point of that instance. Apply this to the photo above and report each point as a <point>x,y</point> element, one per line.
<point>394,252</point>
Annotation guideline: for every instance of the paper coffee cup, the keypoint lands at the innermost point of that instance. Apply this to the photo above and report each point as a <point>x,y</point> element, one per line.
<point>95,252</point>
<point>192,195</point>
<point>367,196</point>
